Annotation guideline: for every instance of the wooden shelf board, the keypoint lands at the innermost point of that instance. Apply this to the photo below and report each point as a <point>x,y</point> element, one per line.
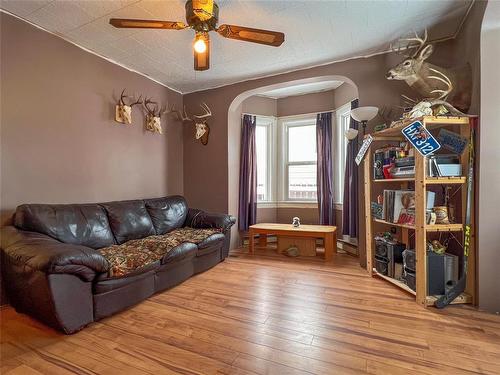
<point>434,121</point>
<point>395,179</point>
<point>445,180</point>
<point>428,180</point>
<point>394,224</point>
<point>444,228</point>
<point>398,283</point>
<point>461,299</point>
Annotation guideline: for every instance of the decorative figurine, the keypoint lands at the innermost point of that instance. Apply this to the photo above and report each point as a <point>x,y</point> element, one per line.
<point>296,222</point>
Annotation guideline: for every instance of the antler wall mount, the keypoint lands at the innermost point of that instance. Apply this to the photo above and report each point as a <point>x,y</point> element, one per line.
<point>123,111</point>
<point>154,113</point>
<point>200,121</point>
<point>202,16</point>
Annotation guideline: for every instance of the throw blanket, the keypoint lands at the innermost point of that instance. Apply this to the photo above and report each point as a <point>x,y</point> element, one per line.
<point>135,254</point>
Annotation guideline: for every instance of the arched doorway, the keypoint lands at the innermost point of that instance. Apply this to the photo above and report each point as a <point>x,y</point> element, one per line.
<point>234,131</point>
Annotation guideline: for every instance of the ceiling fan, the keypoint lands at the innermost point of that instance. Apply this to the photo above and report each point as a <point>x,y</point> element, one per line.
<point>202,16</point>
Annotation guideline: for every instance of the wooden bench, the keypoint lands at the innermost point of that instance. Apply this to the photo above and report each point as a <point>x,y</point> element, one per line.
<point>326,232</point>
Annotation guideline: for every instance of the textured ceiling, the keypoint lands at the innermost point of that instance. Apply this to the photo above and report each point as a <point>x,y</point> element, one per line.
<point>317,32</point>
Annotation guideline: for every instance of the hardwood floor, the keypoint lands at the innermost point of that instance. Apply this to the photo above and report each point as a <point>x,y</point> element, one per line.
<point>265,314</point>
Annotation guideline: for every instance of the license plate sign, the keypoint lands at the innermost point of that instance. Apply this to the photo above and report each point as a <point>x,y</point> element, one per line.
<point>420,138</point>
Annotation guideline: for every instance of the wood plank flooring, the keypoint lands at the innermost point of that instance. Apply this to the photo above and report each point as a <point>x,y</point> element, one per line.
<point>265,314</point>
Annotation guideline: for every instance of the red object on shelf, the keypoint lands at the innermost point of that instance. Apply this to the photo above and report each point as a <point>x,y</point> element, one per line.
<point>387,171</point>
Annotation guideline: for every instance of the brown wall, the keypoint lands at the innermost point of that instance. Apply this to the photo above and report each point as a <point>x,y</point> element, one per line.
<point>258,105</point>
<point>59,141</point>
<point>309,103</point>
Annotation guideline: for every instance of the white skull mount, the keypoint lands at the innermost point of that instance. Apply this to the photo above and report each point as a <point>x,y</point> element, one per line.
<point>153,116</point>
<point>200,122</point>
<point>123,111</point>
<point>202,132</point>
<point>153,124</point>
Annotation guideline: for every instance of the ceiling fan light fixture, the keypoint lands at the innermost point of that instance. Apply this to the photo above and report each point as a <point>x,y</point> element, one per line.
<point>201,47</point>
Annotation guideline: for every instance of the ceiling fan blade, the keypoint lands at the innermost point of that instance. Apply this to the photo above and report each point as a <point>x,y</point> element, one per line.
<point>146,24</point>
<point>247,34</point>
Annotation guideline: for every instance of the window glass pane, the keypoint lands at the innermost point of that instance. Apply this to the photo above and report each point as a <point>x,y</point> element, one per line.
<point>302,143</point>
<point>302,182</point>
<point>261,150</point>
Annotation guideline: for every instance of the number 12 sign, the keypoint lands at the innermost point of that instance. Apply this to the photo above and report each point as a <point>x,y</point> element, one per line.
<point>420,138</point>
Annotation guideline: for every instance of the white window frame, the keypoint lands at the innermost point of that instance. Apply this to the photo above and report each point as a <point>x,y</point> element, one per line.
<point>270,123</point>
<point>284,123</point>
<point>339,151</point>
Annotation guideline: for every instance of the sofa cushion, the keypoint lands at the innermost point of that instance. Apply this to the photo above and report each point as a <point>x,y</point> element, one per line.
<point>167,213</point>
<point>77,224</point>
<point>145,254</point>
<point>129,220</point>
<point>210,244</point>
<point>130,258</point>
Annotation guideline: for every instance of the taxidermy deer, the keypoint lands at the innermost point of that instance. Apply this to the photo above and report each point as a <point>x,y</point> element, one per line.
<point>153,116</point>
<point>123,111</point>
<point>450,88</point>
<point>200,122</point>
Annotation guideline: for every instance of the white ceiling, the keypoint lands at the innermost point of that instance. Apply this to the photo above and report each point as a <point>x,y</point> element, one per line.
<point>317,32</point>
<point>302,89</point>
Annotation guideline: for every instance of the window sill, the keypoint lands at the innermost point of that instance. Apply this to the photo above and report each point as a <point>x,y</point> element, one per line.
<point>293,204</point>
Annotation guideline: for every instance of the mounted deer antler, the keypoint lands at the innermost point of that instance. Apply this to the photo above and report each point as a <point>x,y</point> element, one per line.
<point>202,128</point>
<point>153,116</point>
<point>123,96</point>
<point>123,113</point>
<point>428,79</point>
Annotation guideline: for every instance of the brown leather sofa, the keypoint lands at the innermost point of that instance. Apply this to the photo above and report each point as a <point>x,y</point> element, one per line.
<point>70,265</point>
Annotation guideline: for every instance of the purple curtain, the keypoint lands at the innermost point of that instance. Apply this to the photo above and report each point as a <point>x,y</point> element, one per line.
<point>324,174</point>
<point>350,201</point>
<point>247,209</point>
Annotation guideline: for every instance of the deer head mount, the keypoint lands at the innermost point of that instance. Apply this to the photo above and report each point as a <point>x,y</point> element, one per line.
<point>199,120</point>
<point>123,110</point>
<point>431,81</point>
<point>153,115</point>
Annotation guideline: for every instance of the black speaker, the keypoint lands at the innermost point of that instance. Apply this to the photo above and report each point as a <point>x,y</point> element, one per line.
<point>378,165</point>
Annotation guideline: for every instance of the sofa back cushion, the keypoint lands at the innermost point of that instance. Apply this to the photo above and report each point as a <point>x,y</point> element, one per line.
<point>129,220</point>
<point>167,213</point>
<point>78,224</point>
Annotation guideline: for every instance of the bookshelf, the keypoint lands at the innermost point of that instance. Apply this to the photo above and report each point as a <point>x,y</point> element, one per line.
<point>421,231</point>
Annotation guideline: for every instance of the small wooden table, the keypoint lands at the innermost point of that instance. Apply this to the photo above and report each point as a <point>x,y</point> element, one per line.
<point>326,232</point>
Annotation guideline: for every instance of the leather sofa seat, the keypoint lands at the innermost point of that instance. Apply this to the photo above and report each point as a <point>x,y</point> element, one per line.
<point>106,284</point>
<point>210,244</point>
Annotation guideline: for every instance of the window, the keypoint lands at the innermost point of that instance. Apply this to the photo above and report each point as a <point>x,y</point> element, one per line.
<point>263,143</point>
<point>343,118</point>
<point>300,159</point>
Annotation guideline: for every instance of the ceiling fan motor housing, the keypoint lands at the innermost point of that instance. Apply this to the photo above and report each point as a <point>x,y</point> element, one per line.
<point>201,16</point>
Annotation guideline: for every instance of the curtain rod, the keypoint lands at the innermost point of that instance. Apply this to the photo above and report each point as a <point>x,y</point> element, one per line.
<point>299,114</point>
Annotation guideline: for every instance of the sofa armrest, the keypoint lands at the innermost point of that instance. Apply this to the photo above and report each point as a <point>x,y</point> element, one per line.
<point>201,219</point>
<point>38,252</point>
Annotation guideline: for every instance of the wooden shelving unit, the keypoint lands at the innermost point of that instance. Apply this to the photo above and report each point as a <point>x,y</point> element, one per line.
<point>420,230</point>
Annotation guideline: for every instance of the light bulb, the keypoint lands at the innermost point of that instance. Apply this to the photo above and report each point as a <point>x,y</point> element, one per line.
<point>200,46</point>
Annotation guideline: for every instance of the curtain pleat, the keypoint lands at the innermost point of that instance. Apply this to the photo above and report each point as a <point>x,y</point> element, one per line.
<point>350,202</point>
<point>247,209</point>
<point>324,174</point>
